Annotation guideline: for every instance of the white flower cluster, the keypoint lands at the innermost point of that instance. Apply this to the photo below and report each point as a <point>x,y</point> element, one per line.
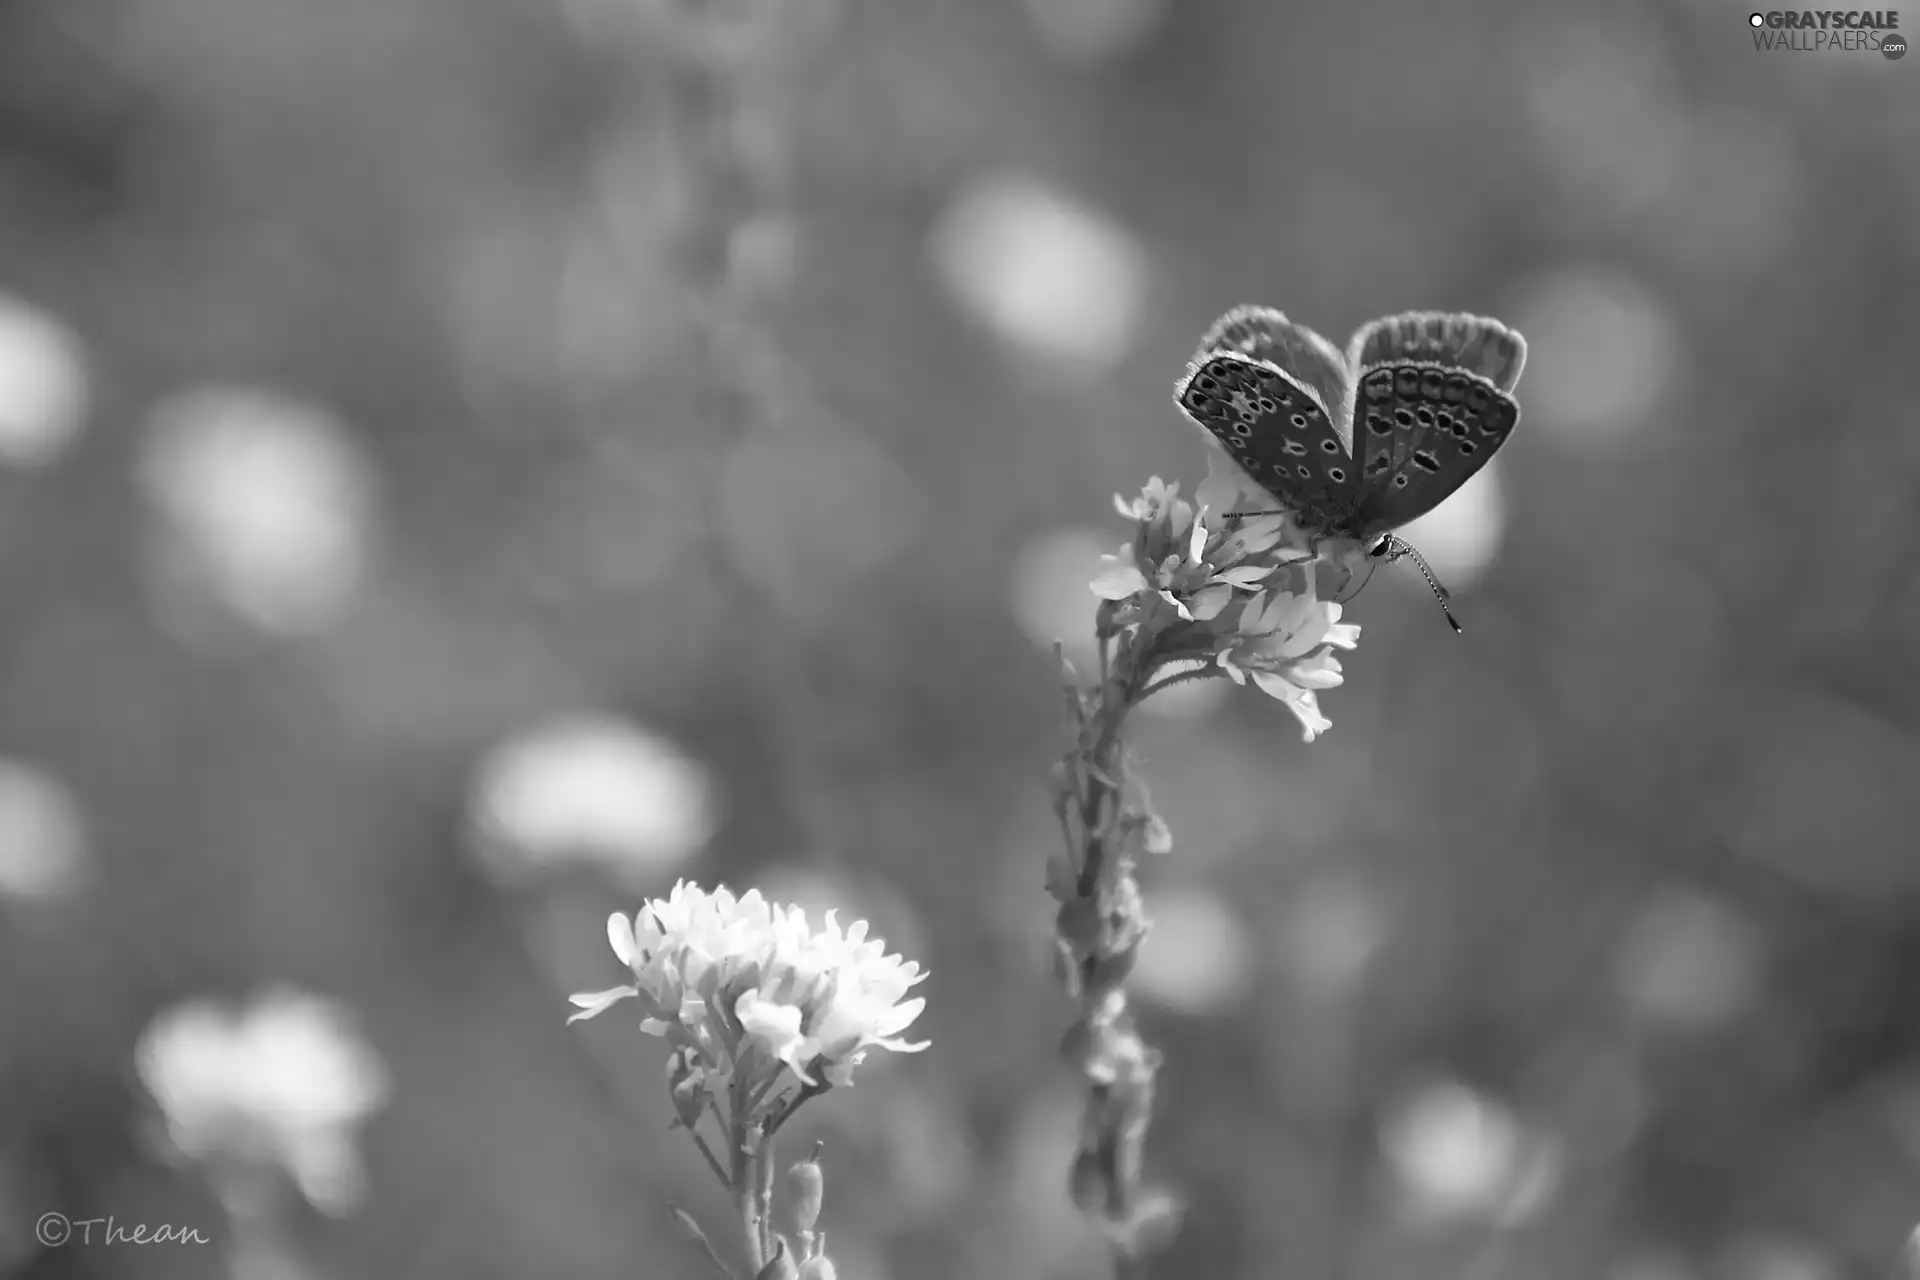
<point>739,984</point>
<point>1189,567</point>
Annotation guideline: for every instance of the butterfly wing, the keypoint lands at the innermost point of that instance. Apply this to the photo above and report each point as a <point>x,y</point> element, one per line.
<point>1434,402</point>
<point>1265,333</point>
<point>1278,428</point>
<point>1472,344</point>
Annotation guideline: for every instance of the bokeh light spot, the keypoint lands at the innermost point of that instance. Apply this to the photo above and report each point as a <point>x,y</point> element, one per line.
<point>265,507</point>
<point>1461,536</point>
<point>1050,275</point>
<point>1048,590</point>
<point>43,384</point>
<point>281,1082</point>
<point>1199,956</point>
<point>1089,31</point>
<point>592,789</point>
<point>1688,959</point>
<point>44,855</point>
<point>1601,354</point>
<point>1461,1155</point>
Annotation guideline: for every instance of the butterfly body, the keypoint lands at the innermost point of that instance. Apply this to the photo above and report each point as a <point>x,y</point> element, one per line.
<point>1356,444</point>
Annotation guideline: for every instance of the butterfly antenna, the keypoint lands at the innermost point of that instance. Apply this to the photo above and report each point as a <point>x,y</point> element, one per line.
<point>1394,548</point>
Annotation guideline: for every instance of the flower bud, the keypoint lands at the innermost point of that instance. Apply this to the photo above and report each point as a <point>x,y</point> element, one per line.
<point>819,1268</point>
<point>806,1184</point>
<point>781,1268</point>
<point>688,1082</point>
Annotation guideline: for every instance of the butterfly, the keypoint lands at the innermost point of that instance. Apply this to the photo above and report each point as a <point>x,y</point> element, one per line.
<point>1354,446</point>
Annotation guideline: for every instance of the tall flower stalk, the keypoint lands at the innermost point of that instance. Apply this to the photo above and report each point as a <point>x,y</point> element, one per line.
<point>1198,592</point>
<point>762,1012</point>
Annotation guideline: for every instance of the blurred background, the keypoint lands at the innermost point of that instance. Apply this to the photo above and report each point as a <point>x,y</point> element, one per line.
<point>464,466</point>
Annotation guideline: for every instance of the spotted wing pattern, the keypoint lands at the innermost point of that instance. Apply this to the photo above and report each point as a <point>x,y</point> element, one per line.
<point>1279,430</point>
<point>1264,333</point>
<point>1433,404</point>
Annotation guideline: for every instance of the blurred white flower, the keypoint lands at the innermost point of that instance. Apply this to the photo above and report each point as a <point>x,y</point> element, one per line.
<point>1046,273</point>
<point>281,1082</point>
<point>1689,959</point>
<point>1332,931</point>
<point>1770,1256</point>
<point>43,384</point>
<point>1461,536</point>
<point>739,984</point>
<point>1047,589</point>
<point>265,505</point>
<point>1093,30</point>
<point>1460,1155</point>
<point>1605,352</point>
<point>1199,958</point>
<point>44,855</point>
<point>591,788</point>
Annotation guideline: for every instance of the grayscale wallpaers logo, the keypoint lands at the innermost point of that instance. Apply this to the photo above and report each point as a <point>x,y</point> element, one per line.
<point>1829,30</point>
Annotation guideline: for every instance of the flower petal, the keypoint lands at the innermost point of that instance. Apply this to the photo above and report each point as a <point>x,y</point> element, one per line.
<point>743,987</point>
<point>774,1025</point>
<point>900,1017</point>
<point>1226,483</point>
<point>1317,671</point>
<point>1118,581</point>
<point>1309,631</point>
<point>620,936</point>
<point>1179,513</point>
<point>1245,575</point>
<point>1343,635</point>
<point>1208,602</point>
<point>594,1003</point>
<point>1305,707</point>
<point>1260,533</point>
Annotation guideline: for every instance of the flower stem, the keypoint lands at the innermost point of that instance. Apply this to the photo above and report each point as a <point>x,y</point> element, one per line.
<point>1101,921</point>
<point>763,1169</point>
<point>713,1161</point>
<point>746,1200</point>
